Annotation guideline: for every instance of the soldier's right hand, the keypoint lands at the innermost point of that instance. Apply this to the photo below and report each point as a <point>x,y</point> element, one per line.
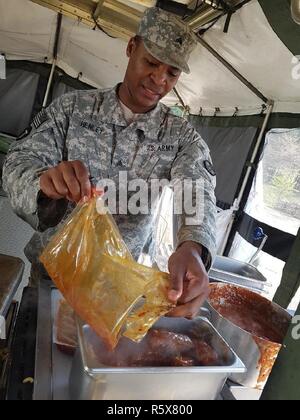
<point>68,180</point>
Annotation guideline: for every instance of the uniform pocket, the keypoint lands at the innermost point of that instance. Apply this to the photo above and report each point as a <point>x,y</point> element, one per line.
<point>144,166</point>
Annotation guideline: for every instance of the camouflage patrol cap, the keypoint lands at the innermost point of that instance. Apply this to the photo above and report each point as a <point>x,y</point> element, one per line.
<point>167,38</point>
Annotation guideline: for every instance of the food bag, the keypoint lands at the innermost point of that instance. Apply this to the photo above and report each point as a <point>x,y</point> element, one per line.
<point>92,267</point>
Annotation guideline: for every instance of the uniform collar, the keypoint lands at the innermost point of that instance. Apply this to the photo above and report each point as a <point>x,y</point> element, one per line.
<point>112,113</point>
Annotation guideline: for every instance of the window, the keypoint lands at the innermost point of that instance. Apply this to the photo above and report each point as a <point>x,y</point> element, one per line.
<point>274,200</point>
<point>275,195</point>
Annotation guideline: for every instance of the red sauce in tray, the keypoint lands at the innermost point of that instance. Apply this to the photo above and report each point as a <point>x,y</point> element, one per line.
<point>249,311</point>
<point>253,322</point>
<point>255,315</point>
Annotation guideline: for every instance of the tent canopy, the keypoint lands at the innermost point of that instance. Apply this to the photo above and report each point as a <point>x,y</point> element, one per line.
<point>251,46</point>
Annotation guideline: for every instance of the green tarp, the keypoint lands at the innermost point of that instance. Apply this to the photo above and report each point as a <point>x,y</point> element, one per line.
<point>5,144</point>
<point>277,120</point>
<point>284,382</point>
<point>278,13</point>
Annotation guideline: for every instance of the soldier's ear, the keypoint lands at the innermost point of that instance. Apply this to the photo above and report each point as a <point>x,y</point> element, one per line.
<point>131,47</point>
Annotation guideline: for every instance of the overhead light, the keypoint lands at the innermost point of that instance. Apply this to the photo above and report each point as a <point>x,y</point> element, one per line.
<point>2,67</point>
<point>175,7</point>
<point>115,17</point>
<point>209,11</point>
<point>295,6</point>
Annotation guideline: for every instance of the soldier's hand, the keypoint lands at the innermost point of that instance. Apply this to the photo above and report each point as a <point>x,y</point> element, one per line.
<point>68,180</point>
<point>190,282</point>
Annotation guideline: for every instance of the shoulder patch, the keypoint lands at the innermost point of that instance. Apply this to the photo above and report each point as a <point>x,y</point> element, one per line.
<point>40,119</point>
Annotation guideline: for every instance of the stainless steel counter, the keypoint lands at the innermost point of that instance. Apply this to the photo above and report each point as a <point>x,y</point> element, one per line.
<point>52,368</point>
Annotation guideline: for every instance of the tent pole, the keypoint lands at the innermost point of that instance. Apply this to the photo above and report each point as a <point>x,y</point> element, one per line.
<point>248,173</point>
<point>233,70</point>
<point>55,51</point>
<point>50,80</point>
<point>179,98</point>
<point>256,150</point>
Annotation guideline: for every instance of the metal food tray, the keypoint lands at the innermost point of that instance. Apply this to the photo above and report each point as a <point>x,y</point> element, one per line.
<point>231,271</point>
<point>53,368</point>
<point>89,381</point>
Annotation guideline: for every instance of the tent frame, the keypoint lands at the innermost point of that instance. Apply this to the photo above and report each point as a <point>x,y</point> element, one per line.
<point>55,51</point>
<point>239,199</point>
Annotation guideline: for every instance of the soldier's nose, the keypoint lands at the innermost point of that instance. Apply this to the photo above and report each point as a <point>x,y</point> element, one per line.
<point>159,76</point>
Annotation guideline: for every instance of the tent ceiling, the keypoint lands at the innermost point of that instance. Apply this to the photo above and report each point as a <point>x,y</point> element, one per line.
<point>27,32</point>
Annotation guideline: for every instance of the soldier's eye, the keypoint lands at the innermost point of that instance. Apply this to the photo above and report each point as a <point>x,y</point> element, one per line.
<point>151,63</point>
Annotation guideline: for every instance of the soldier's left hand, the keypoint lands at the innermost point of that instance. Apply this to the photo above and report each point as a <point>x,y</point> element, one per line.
<point>190,282</point>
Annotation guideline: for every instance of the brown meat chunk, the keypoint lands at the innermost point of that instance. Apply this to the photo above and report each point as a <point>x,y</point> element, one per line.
<point>66,329</point>
<point>183,361</point>
<point>170,343</point>
<point>162,348</point>
<point>205,354</point>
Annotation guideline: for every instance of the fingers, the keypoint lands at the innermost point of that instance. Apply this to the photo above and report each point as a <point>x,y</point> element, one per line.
<point>192,289</point>
<point>48,188</point>
<point>59,183</point>
<point>83,177</point>
<point>177,274</point>
<point>194,285</point>
<point>68,180</point>
<point>68,173</point>
<point>189,310</point>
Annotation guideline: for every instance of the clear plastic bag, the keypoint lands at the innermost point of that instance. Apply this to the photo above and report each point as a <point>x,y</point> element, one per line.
<point>93,268</point>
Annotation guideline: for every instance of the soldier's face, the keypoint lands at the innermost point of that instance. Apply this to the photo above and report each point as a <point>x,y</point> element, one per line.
<point>147,79</point>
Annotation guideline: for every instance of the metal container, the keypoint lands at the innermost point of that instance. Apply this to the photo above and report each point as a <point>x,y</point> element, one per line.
<point>11,272</point>
<point>91,381</point>
<point>230,271</point>
<point>257,352</point>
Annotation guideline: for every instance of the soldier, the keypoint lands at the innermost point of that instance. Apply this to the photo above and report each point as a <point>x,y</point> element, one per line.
<point>96,134</point>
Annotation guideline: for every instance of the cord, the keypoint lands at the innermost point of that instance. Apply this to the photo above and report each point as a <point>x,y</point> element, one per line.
<point>101,29</point>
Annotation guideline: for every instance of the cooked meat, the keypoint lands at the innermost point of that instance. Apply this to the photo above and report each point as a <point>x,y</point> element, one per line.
<point>205,354</point>
<point>162,348</point>
<point>168,343</point>
<point>183,361</point>
<point>66,330</point>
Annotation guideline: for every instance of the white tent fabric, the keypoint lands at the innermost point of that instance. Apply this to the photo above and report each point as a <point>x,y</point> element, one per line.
<point>27,32</point>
